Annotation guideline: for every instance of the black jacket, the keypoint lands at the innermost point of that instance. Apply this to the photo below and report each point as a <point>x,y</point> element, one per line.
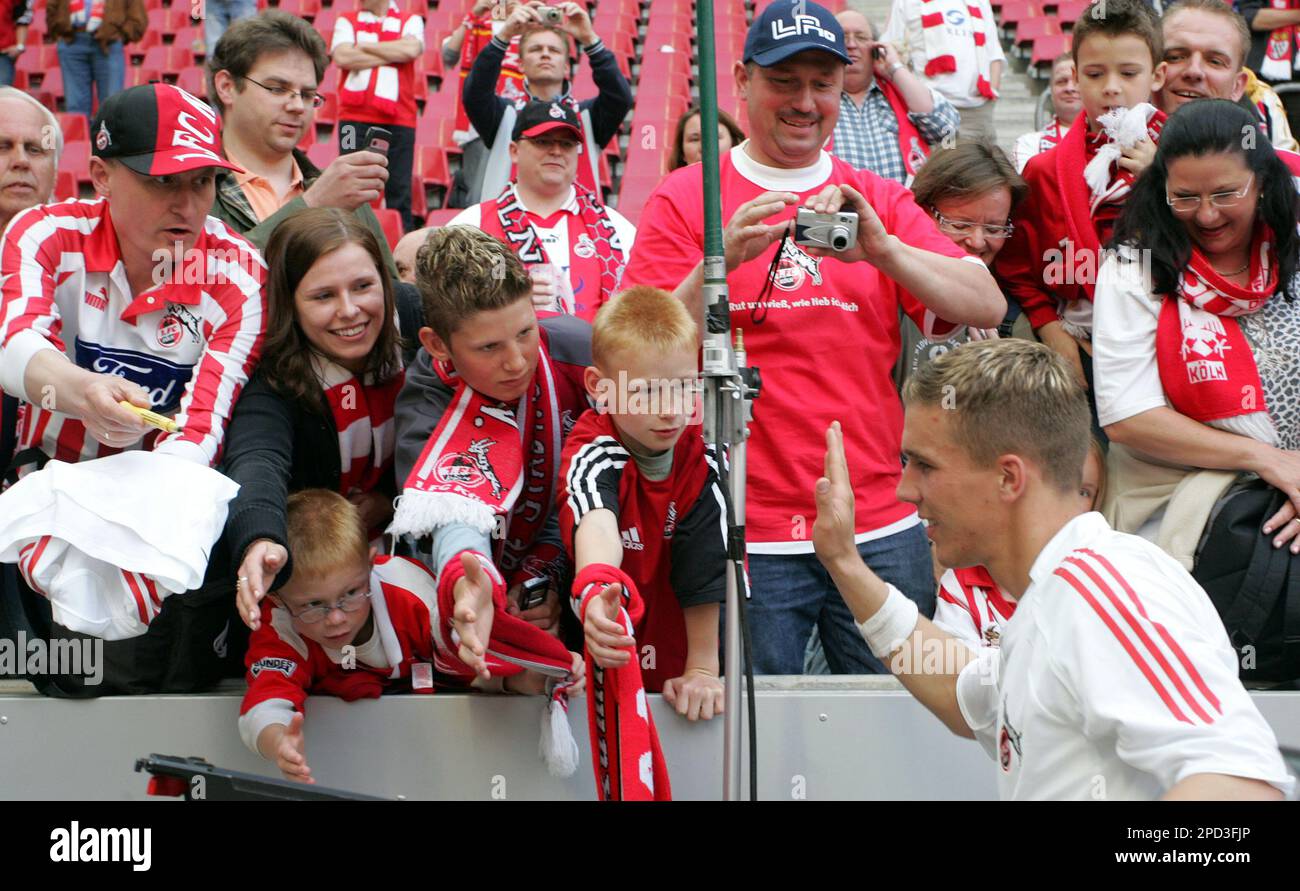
<point>485,108</point>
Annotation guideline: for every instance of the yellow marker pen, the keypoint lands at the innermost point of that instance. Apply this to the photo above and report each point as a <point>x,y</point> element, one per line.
<point>162,422</point>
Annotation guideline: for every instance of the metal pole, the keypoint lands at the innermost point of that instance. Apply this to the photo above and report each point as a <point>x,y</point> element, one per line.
<point>724,394</point>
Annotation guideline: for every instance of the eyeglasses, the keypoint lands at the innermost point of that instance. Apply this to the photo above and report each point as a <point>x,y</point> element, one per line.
<point>967,227</point>
<point>308,97</point>
<point>349,603</point>
<point>1192,203</point>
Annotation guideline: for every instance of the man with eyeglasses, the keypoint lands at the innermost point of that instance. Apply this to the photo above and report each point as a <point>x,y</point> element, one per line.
<point>376,46</point>
<point>888,118</point>
<point>575,248</point>
<point>264,76</point>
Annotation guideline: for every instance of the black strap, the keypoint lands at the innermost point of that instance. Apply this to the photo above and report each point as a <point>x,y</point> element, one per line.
<point>24,457</point>
<point>1249,612</point>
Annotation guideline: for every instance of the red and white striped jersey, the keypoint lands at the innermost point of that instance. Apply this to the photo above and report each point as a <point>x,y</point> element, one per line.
<point>1114,680</point>
<point>191,341</point>
<point>972,607</point>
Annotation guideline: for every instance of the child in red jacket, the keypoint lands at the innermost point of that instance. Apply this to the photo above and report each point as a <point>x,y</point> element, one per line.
<point>353,625</point>
<point>1050,264</point>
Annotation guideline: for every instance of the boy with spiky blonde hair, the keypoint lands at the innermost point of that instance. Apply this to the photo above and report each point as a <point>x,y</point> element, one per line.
<point>641,514</point>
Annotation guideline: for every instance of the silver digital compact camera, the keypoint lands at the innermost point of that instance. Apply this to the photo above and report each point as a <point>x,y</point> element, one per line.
<point>835,231</point>
<point>551,15</point>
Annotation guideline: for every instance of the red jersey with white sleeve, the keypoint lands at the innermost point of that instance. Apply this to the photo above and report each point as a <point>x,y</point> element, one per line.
<point>191,341</point>
<point>825,340</point>
<point>972,607</point>
<point>673,530</point>
<point>284,667</point>
<point>1114,680</point>
<point>384,94</point>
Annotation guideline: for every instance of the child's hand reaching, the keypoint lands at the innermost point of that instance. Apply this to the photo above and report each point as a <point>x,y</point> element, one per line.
<point>288,747</point>
<point>696,694</point>
<point>472,617</point>
<point>607,641</point>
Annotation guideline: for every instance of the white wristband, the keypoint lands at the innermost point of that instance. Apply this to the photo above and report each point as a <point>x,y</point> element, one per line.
<point>892,624</point>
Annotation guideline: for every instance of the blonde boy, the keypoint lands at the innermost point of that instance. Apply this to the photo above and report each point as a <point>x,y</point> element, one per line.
<point>641,504</point>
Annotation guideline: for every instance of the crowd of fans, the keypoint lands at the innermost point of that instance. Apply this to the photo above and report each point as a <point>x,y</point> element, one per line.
<point>430,397</point>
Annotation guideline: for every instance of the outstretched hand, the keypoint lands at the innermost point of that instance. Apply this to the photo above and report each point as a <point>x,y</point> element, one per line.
<point>472,615</point>
<point>834,527</point>
<point>606,638</point>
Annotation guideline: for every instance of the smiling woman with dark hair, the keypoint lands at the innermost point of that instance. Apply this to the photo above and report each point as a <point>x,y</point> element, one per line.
<point>1197,337</point>
<point>319,411</point>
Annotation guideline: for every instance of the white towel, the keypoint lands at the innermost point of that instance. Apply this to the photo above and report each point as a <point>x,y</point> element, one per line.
<point>108,540</point>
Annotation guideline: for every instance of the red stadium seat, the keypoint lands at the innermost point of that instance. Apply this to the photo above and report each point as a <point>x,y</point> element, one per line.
<point>65,185</point>
<point>322,154</point>
<point>195,82</point>
<point>51,81</point>
<point>178,16</point>
<point>391,222</point>
<point>1015,10</point>
<point>1069,11</point>
<point>440,216</point>
<point>39,57</point>
<point>76,160</point>
<point>185,38</point>
<point>75,127</point>
<point>135,76</point>
<point>324,23</point>
<point>1045,50</point>
<point>1028,30</point>
<point>305,9</point>
<point>419,200</point>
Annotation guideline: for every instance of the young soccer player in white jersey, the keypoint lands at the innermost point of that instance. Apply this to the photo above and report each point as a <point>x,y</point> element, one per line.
<point>1114,678</point>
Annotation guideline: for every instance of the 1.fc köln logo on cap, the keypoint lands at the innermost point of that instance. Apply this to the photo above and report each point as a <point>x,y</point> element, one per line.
<point>102,139</point>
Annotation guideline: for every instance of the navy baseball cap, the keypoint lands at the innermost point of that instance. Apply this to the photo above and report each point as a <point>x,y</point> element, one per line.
<point>791,26</point>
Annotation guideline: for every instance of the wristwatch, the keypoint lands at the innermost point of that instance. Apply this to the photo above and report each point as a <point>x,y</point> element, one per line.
<point>892,68</point>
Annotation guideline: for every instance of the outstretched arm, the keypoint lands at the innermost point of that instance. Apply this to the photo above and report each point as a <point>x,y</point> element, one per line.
<point>898,642</point>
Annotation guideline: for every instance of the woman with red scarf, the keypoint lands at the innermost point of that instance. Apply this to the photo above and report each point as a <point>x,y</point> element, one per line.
<point>1196,331</point>
<point>318,412</point>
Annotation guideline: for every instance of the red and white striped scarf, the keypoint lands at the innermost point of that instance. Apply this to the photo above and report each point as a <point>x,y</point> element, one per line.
<point>940,49</point>
<point>626,756</point>
<point>477,462</point>
<point>1207,368</point>
<point>1280,57</point>
<point>363,416</point>
<point>595,251</point>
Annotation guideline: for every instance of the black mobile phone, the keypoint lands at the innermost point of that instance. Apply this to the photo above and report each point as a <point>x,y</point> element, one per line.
<point>532,593</point>
<point>377,140</point>
<point>878,53</point>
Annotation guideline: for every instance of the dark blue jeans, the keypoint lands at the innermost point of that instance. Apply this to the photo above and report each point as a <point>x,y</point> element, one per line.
<point>792,593</point>
<point>86,64</point>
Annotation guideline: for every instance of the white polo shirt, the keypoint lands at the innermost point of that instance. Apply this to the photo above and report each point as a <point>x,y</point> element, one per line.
<point>1115,679</point>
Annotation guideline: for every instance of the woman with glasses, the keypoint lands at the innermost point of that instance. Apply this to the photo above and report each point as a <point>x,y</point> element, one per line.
<point>1196,343</point>
<point>318,412</point>
<point>969,190</point>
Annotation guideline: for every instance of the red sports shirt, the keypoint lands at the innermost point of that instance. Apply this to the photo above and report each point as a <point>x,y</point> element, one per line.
<point>825,341</point>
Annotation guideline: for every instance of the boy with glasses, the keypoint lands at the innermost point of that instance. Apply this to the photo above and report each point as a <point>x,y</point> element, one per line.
<point>347,624</point>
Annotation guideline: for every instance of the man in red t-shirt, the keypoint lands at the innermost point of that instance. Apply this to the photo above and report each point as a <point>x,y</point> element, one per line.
<point>822,327</point>
<point>376,46</point>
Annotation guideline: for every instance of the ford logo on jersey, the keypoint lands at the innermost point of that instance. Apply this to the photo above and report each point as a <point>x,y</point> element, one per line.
<point>164,380</point>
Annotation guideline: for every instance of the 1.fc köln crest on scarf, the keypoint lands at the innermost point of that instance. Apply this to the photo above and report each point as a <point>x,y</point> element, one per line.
<point>1203,347</point>
<point>795,267</point>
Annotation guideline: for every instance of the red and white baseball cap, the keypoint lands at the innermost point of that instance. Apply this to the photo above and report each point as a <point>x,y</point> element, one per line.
<point>158,129</point>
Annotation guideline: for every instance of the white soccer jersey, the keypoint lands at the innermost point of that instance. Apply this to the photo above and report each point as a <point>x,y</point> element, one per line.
<point>1115,679</point>
<point>191,341</point>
